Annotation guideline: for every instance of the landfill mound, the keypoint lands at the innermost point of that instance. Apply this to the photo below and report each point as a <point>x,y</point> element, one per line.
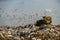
<point>41,30</point>
<point>29,32</point>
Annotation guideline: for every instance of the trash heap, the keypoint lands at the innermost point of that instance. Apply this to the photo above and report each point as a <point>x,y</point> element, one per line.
<point>42,30</point>
<point>29,32</point>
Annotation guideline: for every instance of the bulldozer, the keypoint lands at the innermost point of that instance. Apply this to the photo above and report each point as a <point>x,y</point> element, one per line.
<point>46,20</point>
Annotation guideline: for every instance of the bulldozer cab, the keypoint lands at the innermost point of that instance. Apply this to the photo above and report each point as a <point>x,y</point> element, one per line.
<point>47,19</point>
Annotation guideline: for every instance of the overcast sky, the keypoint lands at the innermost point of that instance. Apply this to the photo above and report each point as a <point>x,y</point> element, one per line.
<point>22,12</point>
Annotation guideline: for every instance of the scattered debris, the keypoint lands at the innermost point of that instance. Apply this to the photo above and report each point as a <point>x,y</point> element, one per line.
<point>29,32</point>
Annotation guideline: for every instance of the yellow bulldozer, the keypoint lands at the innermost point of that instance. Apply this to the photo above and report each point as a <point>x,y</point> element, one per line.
<point>46,20</point>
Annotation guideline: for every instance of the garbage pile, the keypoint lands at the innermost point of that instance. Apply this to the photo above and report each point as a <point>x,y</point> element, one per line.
<point>41,30</point>
<point>29,32</point>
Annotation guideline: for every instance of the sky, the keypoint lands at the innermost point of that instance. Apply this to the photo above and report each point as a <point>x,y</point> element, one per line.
<point>22,12</point>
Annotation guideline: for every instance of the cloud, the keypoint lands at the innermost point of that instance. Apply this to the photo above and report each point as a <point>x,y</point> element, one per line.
<point>48,10</point>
